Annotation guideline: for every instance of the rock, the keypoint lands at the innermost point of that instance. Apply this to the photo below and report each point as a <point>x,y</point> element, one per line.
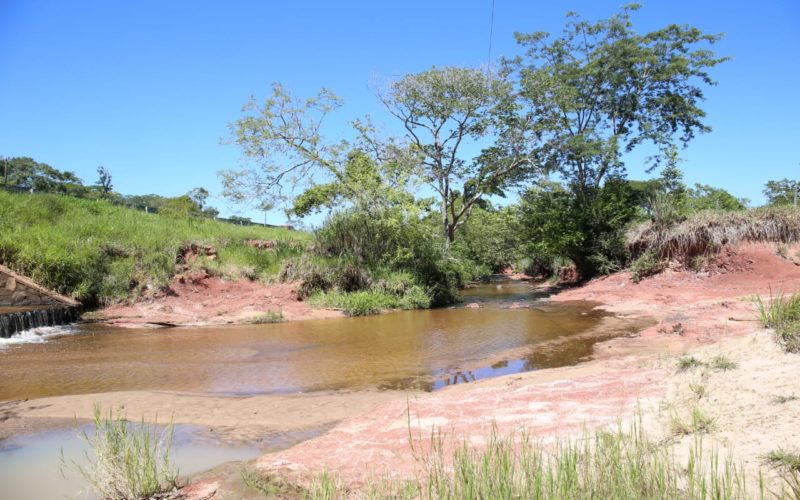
<point>267,245</point>
<point>473,305</point>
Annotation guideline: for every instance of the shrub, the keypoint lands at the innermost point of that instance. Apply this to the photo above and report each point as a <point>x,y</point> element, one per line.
<point>267,317</point>
<point>647,264</point>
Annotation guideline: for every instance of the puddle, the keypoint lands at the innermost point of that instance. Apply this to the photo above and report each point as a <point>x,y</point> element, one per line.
<point>30,466</point>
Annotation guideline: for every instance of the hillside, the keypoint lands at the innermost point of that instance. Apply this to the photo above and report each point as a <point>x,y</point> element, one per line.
<point>101,254</point>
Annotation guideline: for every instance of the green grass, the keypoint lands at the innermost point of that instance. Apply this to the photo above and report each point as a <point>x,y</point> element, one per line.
<point>126,461</point>
<point>366,302</point>
<point>616,464</point>
<point>782,314</point>
<point>100,253</point>
<point>779,400</point>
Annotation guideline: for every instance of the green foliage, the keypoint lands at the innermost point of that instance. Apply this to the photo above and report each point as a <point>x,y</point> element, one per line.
<point>586,228</point>
<point>782,192</point>
<point>704,197</point>
<point>366,302</point>
<point>180,207</point>
<point>785,459</point>
<point>491,238</point>
<point>127,461</point>
<point>645,265</point>
<point>98,252</point>
<point>27,174</point>
<point>697,422</point>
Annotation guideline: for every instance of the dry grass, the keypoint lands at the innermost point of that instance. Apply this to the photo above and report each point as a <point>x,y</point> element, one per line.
<point>706,232</point>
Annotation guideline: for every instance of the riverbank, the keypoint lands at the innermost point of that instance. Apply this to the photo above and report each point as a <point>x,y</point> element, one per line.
<point>359,435</point>
<point>741,383</point>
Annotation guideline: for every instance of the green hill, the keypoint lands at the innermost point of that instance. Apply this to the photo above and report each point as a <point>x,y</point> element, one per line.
<point>99,253</point>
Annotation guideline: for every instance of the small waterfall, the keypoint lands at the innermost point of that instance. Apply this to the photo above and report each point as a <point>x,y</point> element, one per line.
<point>15,322</point>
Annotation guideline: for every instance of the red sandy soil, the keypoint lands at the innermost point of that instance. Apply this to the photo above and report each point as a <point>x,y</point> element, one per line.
<point>200,300</point>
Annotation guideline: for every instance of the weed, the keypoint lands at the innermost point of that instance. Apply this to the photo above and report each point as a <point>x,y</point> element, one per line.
<point>130,462</point>
<point>784,459</point>
<point>267,485</point>
<point>686,363</point>
<point>723,363</point>
<point>696,423</point>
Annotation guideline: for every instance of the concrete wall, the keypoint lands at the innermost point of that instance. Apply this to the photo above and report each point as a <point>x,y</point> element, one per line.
<point>19,291</point>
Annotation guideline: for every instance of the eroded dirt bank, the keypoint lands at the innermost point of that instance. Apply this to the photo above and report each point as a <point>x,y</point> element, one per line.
<point>202,300</point>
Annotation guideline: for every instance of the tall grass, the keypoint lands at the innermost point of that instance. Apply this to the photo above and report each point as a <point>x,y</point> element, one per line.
<point>605,464</point>
<point>126,461</point>
<point>782,314</point>
<point>708,231</point>
<point>97,252</point>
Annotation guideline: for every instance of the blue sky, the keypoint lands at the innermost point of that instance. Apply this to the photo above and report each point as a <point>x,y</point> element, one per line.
<point>148,88</point>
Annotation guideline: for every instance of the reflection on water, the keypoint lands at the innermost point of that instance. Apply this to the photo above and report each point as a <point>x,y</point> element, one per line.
<point>30,466</point>
<point>423,350</point>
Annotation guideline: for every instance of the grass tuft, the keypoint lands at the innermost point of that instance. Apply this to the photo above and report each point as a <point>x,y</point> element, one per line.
<point>779,400</point>
<point>785,459</point>
<point>127,461</point>
<point>696,423</point>
<point>686,363</point>
<point>723,363</point>
<point>782,314</point>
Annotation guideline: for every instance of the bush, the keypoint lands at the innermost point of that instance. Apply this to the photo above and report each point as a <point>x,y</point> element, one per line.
<point>783,315</point>
<point>647,264</point>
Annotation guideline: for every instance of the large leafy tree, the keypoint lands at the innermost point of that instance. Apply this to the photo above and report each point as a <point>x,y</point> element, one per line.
<point>600,90</point>
<point>444,109</point>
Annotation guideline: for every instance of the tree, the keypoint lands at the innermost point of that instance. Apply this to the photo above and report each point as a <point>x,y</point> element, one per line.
<point>782,192</point>
<point>286,153</point>
<point>600,90</point>
<point>199,195</point>
<point>104,182</point>
<point>704,197</point>
<point>441,110</point>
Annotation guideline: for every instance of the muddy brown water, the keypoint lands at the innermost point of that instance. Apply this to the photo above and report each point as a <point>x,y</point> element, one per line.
<point>419,350</point>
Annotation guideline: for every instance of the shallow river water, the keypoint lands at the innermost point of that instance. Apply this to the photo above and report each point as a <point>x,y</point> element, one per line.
<point>423,350</point>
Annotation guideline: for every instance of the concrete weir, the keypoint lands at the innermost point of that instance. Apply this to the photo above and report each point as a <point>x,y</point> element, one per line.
<point>25,305</point>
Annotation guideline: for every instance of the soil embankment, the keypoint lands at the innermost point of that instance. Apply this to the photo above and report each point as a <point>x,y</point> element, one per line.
<point>202,300</point>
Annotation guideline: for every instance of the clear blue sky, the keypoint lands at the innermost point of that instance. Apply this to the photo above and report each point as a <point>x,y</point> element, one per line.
<point>147,88</point>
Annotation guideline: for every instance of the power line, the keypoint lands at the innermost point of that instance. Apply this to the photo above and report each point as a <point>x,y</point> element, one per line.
<point>491,34</point>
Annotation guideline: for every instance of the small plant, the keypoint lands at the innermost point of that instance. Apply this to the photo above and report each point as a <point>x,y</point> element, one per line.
<point>697,423</point>
<point>686,363</point>
<point>267,317</point>
<point>129,462</point>
<point>647,264</point>
<point>699,390</point>
<point>784,459</point>
<point>779,400</point>
<point>723,363</point>
<point>698,263</point>
<point>782,251</point>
